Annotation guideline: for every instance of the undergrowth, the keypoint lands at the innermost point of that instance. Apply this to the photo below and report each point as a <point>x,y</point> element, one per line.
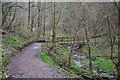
<point>61,59</point>
<point>51,62</point>
<point>99,62</point>
<point>10,46</point>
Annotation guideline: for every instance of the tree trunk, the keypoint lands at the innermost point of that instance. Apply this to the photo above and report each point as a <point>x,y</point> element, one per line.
<point>53,29</point>
<point>118,34</point>
<point>32,18</point>
<point>29,13</point>
<point>39,18</point>
<point>89,49</point>
<point>44,20</point>
<point>118,70</point>
<point>118,64</point>
<point>69,60</point>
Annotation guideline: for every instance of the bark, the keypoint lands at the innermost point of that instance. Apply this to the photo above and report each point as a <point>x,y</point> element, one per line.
<point>56,19</point>
<point>118,70</point>
<point>89,49</point>
<point>118,34</point>
<point>32,18</point>
<point>118,64</point>
<point>111,38</point>
<point>11,20</point>
<point>39,21</point>
<point>28,13</point>
<point>44,20</point>
<point>69,62</point>
<point>88,44</point>
<point>53,29</point>
<point>6,12</point>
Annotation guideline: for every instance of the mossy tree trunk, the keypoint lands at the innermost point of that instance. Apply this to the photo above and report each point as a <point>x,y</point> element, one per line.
<point>89,49</point>
<point>118,34</point>
<point>44,18</point>
<point>118,64</point>
<point>39,19</point>
<point>29,3</point>
<point>56,18</point>
<point>53,29</point>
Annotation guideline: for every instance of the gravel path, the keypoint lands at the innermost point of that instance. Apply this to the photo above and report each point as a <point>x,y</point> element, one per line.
<point>28,64</point>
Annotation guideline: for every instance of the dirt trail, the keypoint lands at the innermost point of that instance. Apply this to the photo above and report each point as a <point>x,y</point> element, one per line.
<point>28,64</point>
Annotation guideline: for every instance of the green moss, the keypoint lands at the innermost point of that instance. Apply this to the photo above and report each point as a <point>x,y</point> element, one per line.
<point>64,51</point>
<point>10,41</point>
<point>58,58</point>
<point>79,69</point>
<point>85,61</point>
<point>5,61</point>
<point>47,59</point>
<point>104,64</point>
<point>51,62</point>
<point>68,73</point>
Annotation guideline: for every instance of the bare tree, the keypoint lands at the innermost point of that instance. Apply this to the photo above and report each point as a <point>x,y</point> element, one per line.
<point>56,18</point>
<point>29,5</point>
<point>32,17</point>
<point>44,18</point>
<point>118,34</point>
<point>7,10</point>
<point>39,7</point>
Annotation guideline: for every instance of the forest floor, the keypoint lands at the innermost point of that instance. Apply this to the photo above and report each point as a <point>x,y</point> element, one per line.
<point>28,64</point>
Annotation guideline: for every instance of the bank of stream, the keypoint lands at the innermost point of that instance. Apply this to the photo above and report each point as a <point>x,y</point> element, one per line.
<point>79,63</point>
<point>80,58</point>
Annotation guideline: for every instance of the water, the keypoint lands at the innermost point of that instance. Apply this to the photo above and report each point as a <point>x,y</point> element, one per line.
<point>78,63</point>
<point>79,57</point>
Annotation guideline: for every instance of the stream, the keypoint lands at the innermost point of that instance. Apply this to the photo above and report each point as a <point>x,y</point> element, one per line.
<point>79,56</point>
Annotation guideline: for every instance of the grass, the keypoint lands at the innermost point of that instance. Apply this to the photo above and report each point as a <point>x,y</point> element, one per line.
<point>64,51</point>
<point>64,58</point>
<point>57,58</point>
<point>13,42</point>
<point>79,69</point>
<point>5,61</point>
<point>85,61</point>
<point>67,72</point>
<point>10,47</point>
<point>99,54</point>
<point>49,60</point>
<point>105,65</point>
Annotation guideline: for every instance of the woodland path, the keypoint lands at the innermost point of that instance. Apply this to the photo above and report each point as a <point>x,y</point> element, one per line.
<point>28,64</point>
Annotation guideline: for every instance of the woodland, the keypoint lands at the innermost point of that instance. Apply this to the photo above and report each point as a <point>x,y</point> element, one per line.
<point>78,39</point>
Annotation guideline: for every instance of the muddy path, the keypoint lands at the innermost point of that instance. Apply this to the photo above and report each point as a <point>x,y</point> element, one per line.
<point>28,64</point>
